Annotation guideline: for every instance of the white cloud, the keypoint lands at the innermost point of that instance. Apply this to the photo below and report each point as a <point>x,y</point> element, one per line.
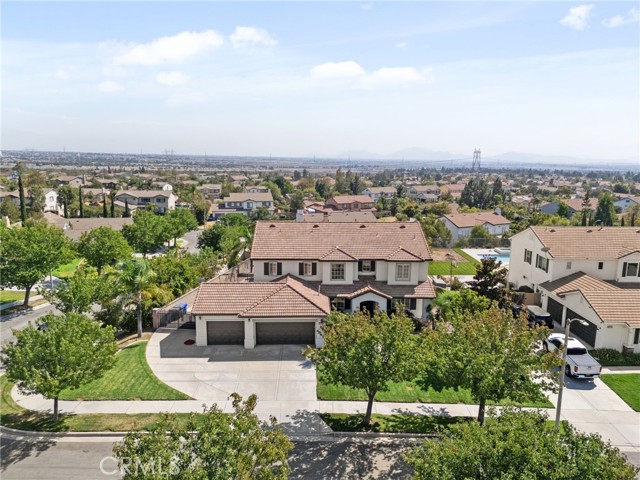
<point>632,16</point>
<point>109,86</point>
<point>366,6</point>
<point>383,77</point>
<point>175,49</point>
<point>578,17</point>
<point>251,36</point>
<point>172,79</point>
<point>336,70</point>
<point>401,45</point>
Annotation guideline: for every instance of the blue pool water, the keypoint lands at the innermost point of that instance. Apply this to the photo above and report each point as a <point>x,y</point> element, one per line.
<point>500,258</point>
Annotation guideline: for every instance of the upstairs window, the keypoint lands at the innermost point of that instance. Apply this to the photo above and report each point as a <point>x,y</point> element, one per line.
<point>307,269</point>
<point>630,269</point>
<point>542,263</point>
<point>403,271</point>
<point>337,271</point>
<point>367,266</point>
<point>600,265</point>
<point>527,256</point>
<point>273,269</point>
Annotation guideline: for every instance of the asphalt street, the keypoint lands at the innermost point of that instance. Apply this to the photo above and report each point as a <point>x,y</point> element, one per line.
<point>81,459</point>
<point>19,321</point>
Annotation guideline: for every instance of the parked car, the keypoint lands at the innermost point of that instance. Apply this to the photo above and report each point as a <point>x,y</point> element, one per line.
<point>580,363</point>
<point>539,317</point>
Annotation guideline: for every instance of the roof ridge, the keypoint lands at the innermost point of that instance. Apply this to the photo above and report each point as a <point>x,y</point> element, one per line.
<point>270,294</point>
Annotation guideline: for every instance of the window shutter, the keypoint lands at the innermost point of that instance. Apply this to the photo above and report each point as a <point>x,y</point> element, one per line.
<point>525,254</point>
<point>373,265</point>
<point>624,269</point>
<point>347,304</point>
<point>314,268</point>
<point>636,337</point>
<point>301,269</point>
<point>266,268</point>
<point>413,304</point>
<point>359,265</point>
<point>279,268</point>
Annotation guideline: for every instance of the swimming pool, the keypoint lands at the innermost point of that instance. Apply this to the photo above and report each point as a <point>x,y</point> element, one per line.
<point>501,258</point>
<point>480,253</point>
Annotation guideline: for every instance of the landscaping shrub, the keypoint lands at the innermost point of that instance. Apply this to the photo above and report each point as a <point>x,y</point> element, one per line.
<point>609,357</point>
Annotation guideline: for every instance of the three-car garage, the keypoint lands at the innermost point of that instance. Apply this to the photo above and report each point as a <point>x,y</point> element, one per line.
<point>282,333</point>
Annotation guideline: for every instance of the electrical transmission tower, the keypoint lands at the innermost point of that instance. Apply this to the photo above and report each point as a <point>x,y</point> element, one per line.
<point>475,166</point>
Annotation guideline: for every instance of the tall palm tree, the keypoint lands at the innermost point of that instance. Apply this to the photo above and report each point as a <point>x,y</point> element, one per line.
<point>136,276</point>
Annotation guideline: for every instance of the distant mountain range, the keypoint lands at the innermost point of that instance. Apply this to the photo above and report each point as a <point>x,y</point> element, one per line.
<point>423,154</point>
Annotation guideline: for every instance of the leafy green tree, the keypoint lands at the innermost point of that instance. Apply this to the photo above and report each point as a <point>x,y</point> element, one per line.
<point>66,197</point>
<point>148,232</point>
<point>127,211</point>
<point>563,210</point>
<point>180,221</point>
<point>23,203</point>
<point>75,294</point>
<point>606,212</point>
<point>219,445</point>
<point>36,200</point>
<point>262,213</point>
<point>297,201</point>
<point>633,213</point>
<point>490,353</point>
<point>274,189</point>
<point>491,282</point>
<point>179,271</point>
<point>136,276</point>
<point>480,237</point>
<point>9,209</point>
<point>366,352</point>
<point>323,188</point>
<point>105,212</point>
<point>61,352</point>
<point>437,234</point>
<point>450,302</point>
<point>30,253</point>
<point>586,207</point>
<point>518,445</point>
<point>102,247</point>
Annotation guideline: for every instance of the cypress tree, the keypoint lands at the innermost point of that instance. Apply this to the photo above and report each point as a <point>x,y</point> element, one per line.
<point>104,206</point>
<point>126,213</point>
<point>113,207</point>
<point>23,205</point>
<point>81,201</point>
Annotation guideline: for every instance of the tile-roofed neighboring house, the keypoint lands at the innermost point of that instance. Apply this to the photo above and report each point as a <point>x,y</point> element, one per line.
<point>212,190</point>
<point>461,224</point>
<point>282,240</point>
<point>246,203</point>
<point>612,313</point>
<point>108,183</point>
<point>375,193</point>
<point>164,200</point>
<point>624,202</point>
<point>414,191</point>
<point>75,227</point>
<point>71,180</point>
<point>455,189</point>
<point>50,199</point>
<point>354,203</point>
<point>306,216</point>
<point>574,204</point>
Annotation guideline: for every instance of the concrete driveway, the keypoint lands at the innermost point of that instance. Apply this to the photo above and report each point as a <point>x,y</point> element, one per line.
<point>273,372</point>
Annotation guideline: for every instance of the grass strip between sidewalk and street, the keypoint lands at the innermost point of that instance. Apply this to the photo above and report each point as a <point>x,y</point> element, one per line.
<point>626,386</point>
<point>8,296</point>
<point>399,423</point>
<point>130,378</point>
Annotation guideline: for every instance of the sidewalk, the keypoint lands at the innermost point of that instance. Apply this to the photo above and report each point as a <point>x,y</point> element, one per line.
<point>620,369</point>
<point>620,427</point>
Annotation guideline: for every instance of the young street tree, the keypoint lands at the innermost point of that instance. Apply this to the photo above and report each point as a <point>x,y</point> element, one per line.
<point>490,353</point>
<point>518,445</point>
<point>366,352</point>
<point>103,246</point>
<point>30,253</point>
<point>219,445</point>
<point>76,294</point>
<point>180,221</point>
<point>62,352</point>
<point>148,232</point>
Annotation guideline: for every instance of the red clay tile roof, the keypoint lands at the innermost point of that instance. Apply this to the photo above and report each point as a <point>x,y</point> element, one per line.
<point>422,290</point>
<point>362,241</point>
<point>600,243</point>
<point>576,282</point>
<point>466,220</point>
<point>351,199</point>
<point>284,298</point>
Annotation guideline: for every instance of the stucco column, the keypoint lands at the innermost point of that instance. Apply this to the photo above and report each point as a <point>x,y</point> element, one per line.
<point>564,314</point>
<point>249,333</point>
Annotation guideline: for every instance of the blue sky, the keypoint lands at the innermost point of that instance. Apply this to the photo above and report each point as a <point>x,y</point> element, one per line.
<point>321,78</point>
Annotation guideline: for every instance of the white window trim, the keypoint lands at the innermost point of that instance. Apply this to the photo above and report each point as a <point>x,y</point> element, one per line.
<point>402,266</point>
<point>366,265</point>
<point>344,271</point>
<point>307,269</point>
<point>273,269</point>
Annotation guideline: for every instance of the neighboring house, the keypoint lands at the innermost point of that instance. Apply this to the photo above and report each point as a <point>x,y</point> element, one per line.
<point>591,273</point>
<point>50,199</point>
<point>376,193</point>
<point>212,190</point>
<point>624,202</point>
<point>416,190</point>
<point>574,204</point>
<point>238,180</point>
<point>461,224</point>
<point>256,189</point>
<point>75,227</point>
<point>353,203</point>
<point>427,197</point>
<point>244,203</point>
<point>70,180</point>
<point>335,217</point>
<point>107,183</point>
<point>164,200</point>
<point>455,189</point>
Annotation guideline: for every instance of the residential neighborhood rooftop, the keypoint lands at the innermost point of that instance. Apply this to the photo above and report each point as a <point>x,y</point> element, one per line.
<point>467,220</point>
<point>588,242</point>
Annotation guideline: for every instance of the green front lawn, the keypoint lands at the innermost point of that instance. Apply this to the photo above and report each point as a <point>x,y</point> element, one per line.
<point>626,385</point>
<point>69,269</point>
<point>462,268</point>
<point>409,392</point>
<point>130,379</point>
<point>342,422</point>
<point>8,296</point>
<point>13,415</point>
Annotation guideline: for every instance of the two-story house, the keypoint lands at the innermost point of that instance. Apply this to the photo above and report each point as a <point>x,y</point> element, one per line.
<point>574,205</point>
<point>414,191</point>
<point>244,203</point>
<point>376,193</point>
<point>592,273</point>
<point>461,224</point>
<point>50,199</point>
<point>301,271</point>
<point>212,190</point>
<point>623,202</point>
<point>352,203</point>
<point>163,200</point>
<point>70,180</point>
<point>256,189</point>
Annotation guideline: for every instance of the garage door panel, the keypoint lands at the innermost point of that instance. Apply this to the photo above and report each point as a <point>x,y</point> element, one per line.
<point>283,333</point>
<point>585,333</point>
<point>555,310</point>
<point>225,333</point>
